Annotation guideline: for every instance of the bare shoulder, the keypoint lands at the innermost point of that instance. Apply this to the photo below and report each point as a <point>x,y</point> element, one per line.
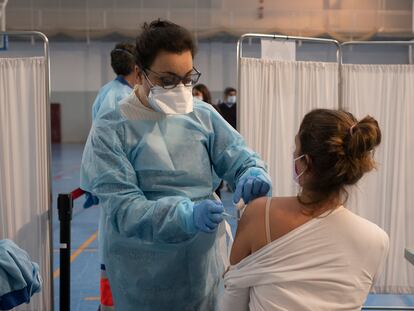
<point>253,211</point>
<point>245,235</point>
<point>251,230</point>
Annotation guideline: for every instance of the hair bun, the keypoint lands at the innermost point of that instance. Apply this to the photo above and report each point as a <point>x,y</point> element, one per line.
<point>365,135</point>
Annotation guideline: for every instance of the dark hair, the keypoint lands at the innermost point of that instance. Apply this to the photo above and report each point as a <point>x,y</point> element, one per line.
<point>162,35</point>
<point>203,90</point>
<point>228,90</point>
<point>123,58</point>
<point>339,148</point>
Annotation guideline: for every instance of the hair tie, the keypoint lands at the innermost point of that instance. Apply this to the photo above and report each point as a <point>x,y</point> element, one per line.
<point>351,129</point>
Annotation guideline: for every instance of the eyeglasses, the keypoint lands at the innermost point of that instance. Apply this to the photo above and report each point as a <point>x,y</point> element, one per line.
<point>171,80</point>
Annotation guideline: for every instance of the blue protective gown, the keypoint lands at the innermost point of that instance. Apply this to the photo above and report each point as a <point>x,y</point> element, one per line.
<point>148,169</point>
<point>19,277</point>
<point>110,95</point>
<point>107,100</point>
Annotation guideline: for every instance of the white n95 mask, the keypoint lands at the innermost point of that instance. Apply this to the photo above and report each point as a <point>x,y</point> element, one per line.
<point>178,100</point>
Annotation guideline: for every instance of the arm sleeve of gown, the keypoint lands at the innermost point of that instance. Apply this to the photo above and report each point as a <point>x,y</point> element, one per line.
<point>108,173</point>
<point>232,159</point>
<point>235,299</point>
<point>19,276</point>
<point>96,105</point>
<point>108,101</point>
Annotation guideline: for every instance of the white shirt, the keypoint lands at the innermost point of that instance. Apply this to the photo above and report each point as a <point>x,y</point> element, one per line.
<point>328,263</point>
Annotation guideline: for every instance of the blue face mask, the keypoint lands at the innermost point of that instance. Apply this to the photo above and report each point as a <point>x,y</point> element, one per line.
<point>295,173</point>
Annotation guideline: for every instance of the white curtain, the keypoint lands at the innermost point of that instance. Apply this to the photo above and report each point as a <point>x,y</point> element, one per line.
<point>386,196</point>
<point>24,193</point>
<point>274,97</point>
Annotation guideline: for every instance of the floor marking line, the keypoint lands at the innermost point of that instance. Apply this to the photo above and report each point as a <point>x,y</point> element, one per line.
<point>97,298</point>
<point>81,248</point>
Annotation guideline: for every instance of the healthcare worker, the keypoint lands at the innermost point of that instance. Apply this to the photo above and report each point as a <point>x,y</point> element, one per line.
<point>123,64</point>
<point>109,96</point>
<point>150,163</point>
<point>19,276</point>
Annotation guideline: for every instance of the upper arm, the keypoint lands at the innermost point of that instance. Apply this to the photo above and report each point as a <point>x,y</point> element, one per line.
<point>249,231</point>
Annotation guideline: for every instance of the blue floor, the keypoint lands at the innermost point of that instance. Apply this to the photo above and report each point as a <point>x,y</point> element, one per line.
<point>85,267</point>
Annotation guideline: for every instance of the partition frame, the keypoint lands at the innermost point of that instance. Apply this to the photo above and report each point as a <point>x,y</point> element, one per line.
<point>46,55</point>
<point>282,37</point>
<point>409,44</point>
<point>339,56</point>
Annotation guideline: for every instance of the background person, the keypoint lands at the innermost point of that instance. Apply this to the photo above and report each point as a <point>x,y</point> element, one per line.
<point>228,107</point>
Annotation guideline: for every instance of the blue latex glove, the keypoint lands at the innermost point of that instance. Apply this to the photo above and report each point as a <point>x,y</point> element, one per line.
<point>91,200</point>
<point>207,215</point>
<point>250,188</point>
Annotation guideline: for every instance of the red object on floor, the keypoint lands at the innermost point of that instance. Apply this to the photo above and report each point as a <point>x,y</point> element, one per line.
<point>106,293</point>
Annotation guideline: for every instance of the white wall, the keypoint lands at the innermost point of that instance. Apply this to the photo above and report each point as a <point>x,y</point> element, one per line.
<point>79,69</point>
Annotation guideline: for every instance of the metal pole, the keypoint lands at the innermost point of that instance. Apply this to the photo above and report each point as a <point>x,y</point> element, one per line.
<point>350,43</point>
<point>407,43</point>
<point>386,308</point>
<point>3,15</point>
<point>377,43</point>
<point>282,37</point>
<point>239,55</point>
<point>48,138</point>
<point>65,206</point>
<point>340,80</point>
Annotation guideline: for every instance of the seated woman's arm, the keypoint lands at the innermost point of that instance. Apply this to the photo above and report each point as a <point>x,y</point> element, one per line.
<point>236,298</point>
<point>250,230</point>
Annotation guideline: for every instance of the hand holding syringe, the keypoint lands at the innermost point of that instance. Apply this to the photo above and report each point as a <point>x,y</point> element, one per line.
<point>239,208</point>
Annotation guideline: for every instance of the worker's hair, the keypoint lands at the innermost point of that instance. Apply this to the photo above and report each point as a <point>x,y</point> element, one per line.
<point>228,90</point>
<point>204,91</point>
<point>123,58</point>
<point>339,149</point>
<point>162,35</point>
